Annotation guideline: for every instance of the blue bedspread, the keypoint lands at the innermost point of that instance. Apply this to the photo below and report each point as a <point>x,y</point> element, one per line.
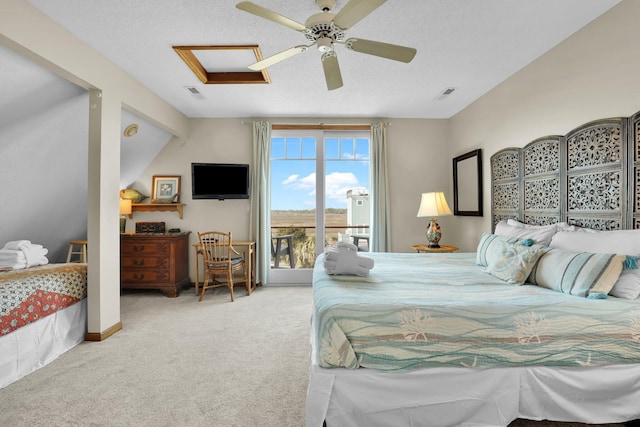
<point>425,310</point>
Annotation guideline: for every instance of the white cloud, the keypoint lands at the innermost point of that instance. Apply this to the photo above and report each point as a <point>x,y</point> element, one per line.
<point>291,179</point>
<point>336,185</point>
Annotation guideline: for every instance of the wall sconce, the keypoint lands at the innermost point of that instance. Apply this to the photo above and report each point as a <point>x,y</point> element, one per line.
<point>433,205</point>
<point>125,209</point>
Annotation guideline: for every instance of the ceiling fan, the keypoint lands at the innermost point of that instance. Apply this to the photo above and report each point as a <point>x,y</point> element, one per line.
<point>324,30</point>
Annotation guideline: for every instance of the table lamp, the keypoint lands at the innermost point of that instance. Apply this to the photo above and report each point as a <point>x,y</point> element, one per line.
<point>125,209</point>
<point>433,205</point>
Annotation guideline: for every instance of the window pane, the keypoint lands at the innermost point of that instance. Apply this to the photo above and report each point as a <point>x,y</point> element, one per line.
<point>347,195</point>
<point>277,148</point>
<point>331,148</point>
<point>362,149</point>
<point>293,148</point>
<point>347,147</point>
<point>293,202</point>
<point>308,148</point>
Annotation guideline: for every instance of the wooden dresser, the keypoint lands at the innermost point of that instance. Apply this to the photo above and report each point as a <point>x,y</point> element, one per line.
<point>155,261</point>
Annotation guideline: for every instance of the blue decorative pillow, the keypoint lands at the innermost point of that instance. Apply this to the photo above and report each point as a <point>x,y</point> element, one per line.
<point>512,262</point>
<point>487,241</point>
<point>577,273</point>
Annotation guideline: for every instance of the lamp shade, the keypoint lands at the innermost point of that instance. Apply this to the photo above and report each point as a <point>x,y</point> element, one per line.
<point>125,207</point>
<point>433,204</point>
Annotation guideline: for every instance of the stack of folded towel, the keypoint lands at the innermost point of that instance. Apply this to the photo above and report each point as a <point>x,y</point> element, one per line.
<point>344,259</point>
<point>19,254</point>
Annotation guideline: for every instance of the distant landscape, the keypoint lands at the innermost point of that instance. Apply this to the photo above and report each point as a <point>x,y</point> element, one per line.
<point>307,218</point>
<point>301,223</point>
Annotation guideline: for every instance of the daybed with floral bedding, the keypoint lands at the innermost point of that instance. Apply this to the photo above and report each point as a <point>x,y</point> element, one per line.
<point>43,313</point>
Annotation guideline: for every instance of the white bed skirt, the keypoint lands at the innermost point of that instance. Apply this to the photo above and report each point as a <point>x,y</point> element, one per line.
<point>438,397</point>
<point>37,344</point>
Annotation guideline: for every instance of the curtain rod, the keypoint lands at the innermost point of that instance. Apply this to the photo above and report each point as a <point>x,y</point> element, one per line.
<point>317,126</point>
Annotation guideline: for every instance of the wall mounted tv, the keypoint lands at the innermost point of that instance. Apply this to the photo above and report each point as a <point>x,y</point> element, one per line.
<point>219,181</point>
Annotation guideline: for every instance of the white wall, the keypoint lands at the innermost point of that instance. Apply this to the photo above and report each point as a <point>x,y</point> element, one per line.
<point>45,199</point>
<point>592,75</point>
<point>418,162</point>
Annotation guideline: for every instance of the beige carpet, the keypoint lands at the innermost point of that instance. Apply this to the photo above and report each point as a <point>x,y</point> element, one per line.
<point>178,362</point>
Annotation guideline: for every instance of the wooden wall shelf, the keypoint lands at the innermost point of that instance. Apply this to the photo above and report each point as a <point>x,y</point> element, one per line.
<point>157,207</point>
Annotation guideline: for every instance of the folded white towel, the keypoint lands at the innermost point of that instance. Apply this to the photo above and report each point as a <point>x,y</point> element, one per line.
<point>36,257</point>
<point>27,255</point>
<point>344,259</point>
<point>16,244</point>
<point>10,254</point>
<point>13,259</point>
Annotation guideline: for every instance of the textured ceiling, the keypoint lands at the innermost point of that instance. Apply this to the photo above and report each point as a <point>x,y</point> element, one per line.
<point>470,45</point>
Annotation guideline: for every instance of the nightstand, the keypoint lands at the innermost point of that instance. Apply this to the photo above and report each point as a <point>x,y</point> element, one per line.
<point>441,250</point>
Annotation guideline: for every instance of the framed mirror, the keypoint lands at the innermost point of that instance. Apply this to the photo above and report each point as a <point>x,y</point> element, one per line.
<point>467,184</point>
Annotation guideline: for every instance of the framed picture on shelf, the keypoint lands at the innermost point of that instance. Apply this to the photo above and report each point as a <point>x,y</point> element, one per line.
<point>166,189</point>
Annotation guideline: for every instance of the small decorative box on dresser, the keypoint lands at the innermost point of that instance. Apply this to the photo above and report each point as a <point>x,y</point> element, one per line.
<point>155,261</point>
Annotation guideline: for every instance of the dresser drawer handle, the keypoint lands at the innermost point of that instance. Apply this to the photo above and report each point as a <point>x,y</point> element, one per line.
<point>136,277</point>
<point>138,262</point>
<point>138,248</point>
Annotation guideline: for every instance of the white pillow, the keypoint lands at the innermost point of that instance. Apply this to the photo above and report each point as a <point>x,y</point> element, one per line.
<point>564,226</point>
<point>523,225</point>
<point>560,226</point>
<point>541,234</point>
<point>625,242</point>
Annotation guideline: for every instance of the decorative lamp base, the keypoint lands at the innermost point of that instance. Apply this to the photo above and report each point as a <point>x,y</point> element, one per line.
<point>123,223</point>
<point>433,233</point>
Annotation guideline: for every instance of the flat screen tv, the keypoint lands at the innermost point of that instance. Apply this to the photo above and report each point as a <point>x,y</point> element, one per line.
<point>219,181</point>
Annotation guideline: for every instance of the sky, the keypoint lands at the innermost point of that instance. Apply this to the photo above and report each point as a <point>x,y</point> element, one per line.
<point>293,177</point>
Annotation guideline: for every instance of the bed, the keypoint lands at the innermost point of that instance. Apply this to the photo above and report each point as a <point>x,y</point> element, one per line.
<point>446,340</point>
<point>43,313</point>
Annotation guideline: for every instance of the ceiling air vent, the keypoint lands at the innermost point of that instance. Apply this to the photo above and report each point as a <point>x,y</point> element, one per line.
<point>194,92</point>
<point>448,91</point>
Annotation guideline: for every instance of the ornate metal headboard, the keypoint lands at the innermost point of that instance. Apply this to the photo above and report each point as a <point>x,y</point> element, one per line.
<point>589,177</point>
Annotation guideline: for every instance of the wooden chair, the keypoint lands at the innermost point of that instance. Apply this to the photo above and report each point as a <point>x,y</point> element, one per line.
<point>221,260</point>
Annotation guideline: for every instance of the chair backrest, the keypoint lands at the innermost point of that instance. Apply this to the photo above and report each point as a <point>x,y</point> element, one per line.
<point>215,246</point>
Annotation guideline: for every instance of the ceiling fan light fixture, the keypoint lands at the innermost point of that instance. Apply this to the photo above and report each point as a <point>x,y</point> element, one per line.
<point>324,44</point>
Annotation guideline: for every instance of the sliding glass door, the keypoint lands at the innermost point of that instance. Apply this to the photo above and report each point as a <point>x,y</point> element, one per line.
<point>320,184</point>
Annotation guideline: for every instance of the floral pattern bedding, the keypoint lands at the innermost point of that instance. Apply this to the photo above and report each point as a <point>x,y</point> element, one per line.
<point>427,310</point>
<point>30,294</point>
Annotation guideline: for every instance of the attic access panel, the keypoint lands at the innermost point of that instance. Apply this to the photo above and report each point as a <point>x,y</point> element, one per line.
<point>223,64</point>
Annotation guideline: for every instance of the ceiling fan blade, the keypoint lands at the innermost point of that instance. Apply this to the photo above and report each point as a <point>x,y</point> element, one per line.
<point>354,11</point>
<point>267,62</point>
<point>331,70</point>
<point>384,50</point>
<point>265,13</point>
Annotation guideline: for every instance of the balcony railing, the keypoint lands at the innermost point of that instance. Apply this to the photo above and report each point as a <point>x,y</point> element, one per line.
<point>304,240</point>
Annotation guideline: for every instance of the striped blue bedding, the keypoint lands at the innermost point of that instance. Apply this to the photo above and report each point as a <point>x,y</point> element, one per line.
<point>427,310</point>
